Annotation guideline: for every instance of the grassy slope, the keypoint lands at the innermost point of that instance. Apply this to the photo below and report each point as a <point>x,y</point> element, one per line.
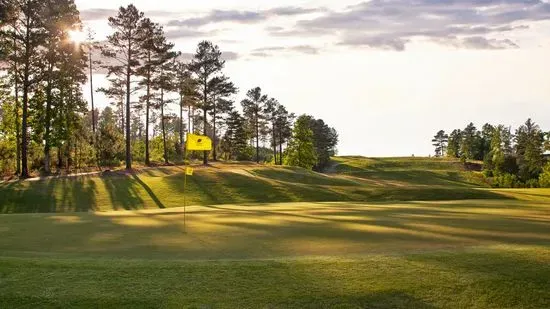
<point>354,180</point>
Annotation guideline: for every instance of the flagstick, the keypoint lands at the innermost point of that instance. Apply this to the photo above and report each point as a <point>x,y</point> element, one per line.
<point>184,190</point>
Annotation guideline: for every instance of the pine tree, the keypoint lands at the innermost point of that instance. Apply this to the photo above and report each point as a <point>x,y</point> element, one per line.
<point>222,89</point>
<point>124,46</point>
<point>253,107</point>
<point>440,142</point>
<point>188,95</point>
<point>529,150</point>
<point>454,144</point>
<point>206,64</point>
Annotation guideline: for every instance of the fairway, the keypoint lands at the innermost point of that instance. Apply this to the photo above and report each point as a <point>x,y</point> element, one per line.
<point>449,254</point>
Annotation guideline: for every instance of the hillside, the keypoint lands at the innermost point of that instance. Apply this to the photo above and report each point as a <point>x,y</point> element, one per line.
<point>349,179</point>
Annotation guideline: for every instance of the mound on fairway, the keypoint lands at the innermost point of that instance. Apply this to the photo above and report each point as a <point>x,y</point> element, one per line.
<point>351,179</point>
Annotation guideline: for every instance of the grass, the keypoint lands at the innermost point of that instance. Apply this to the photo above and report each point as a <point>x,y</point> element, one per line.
<point>404,179</point>
<point>267,237</point>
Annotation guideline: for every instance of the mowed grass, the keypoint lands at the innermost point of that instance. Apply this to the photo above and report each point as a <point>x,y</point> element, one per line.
<point>352,179</point>
<point>454,254</point>
<point>372,233</point>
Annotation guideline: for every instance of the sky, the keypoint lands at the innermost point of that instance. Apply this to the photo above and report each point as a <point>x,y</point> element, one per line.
<point>386,74</point>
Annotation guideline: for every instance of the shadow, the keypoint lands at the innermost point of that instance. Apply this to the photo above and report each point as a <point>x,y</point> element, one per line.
<point>122,192</point>
<point>149,191</point>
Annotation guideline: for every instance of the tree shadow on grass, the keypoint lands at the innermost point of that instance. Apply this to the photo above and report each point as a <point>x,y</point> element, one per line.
<point>123,192</point>
<point>149,191</point>
<point>48,195</point>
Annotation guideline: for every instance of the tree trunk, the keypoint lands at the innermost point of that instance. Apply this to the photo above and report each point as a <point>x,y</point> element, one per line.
<point>26,76</point>
<point>205,153</point>
<point>16,91</point>
<point>92,97</point>
<point>214,154</point>
<point>280,147</point>
<point>47,121</point>
<point>274,144</point>
<point>147,161</point>
<point>181,128</point>
<point>128,76</point>
<point>257,140</point>
<point>162,125</point>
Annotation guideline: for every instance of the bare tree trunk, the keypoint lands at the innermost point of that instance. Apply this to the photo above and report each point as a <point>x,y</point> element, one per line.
<point>162,125</point>
<point>181,128</point>
<point>26,76</point>
<point>214,154</point>
<point>47,143</point>
<point>128,76</point>
<point>274,143</point>
<point>280,147</point>
<point>92,97</point>
<point>205,153</point>
<point>16,91</point>
<point>257,140</point>
<point>147,160</point>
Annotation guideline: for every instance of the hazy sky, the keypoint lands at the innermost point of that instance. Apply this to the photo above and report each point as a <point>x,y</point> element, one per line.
<point>387,74</point>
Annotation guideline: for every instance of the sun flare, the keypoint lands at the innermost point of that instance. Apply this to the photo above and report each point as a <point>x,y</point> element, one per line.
<point>77,36</point>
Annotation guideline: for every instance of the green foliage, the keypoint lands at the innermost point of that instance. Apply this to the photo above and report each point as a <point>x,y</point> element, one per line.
<point>453,147</point>
<point>506,181</point>
<point>529,150</point>
<point>544,177</point>
<point>110,140</point>
<point>440,142</point>
<point>301,149</point>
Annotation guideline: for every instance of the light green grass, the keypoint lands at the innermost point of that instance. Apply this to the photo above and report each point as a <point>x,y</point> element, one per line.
<point>400,233</point>
<point>467,254</point>
<point>404,179</point>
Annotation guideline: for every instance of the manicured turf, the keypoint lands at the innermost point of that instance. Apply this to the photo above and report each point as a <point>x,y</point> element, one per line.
<point>391,180</point>
<point>374,233</point>
<point>472,253</point>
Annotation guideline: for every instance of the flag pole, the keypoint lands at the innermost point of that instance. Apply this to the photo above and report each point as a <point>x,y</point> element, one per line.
<point>184,188</point>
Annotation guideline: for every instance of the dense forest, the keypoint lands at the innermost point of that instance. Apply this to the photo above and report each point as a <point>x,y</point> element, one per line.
<point>510,158</point>
<point>155,98</point>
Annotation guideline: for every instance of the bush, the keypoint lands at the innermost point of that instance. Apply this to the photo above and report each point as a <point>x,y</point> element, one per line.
<point>506,181</point>
<point>544,177</point>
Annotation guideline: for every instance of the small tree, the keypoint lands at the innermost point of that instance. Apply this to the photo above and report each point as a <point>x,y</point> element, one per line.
<point>301,150</point>
<point>440,141</point>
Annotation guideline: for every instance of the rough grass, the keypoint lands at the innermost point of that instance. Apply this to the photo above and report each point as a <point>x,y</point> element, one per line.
<point>404,179</point>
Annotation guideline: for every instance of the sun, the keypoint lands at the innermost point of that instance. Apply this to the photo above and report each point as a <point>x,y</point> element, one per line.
<point>77,36</point>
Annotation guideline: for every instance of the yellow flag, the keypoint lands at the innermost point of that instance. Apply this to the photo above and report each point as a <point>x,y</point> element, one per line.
<point>189,171</point>
<point>198,142</point>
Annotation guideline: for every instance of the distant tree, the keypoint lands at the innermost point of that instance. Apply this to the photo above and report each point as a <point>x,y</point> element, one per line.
<point>301,149</point>
<point>325,140</point>
<point>440,142</point>
<point>221,105</point>
<point>454,144</point>
<point>152,37</point>
<point>110,141</point>
<point>206,64</point>
<point>283,123</point>
<point>529,150</point>
<point>124,45</point>
<point>469,142</point>
<point>253,107</point>
<point>271,109</point>
<point>186,87</point>
<point>234,142</point>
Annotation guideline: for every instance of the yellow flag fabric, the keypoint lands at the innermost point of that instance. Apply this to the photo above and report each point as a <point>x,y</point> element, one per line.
<point>198,142</point>
<point>189,171</point>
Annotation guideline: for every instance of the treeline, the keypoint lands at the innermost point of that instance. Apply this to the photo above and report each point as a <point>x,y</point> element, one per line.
<point>510,158</point>
<point>155,98</point>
